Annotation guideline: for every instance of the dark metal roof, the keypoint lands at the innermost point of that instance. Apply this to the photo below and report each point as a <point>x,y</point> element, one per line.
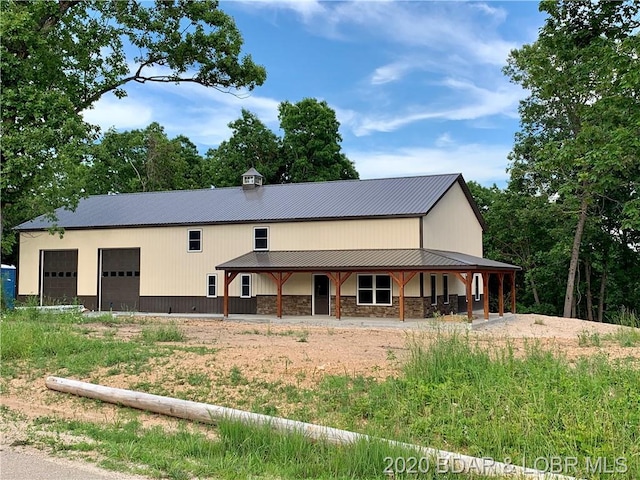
<point>408,196</point>
<point>362,260</point>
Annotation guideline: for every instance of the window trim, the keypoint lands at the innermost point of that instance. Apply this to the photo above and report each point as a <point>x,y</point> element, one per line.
<point>433,279</point>
<point>189,250</point>
<point>445,288</point>
<point>215,285</point>
<point>373,290</point>
<point>255,248</point>
<point>242,277</point>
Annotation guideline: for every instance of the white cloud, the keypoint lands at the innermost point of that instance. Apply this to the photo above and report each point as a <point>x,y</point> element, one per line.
<point>125,113</point>
<point>469,101</point>
<point>439,26</point>
<point>482,163</point>
<point>444,140</point>
<point>391,72</point>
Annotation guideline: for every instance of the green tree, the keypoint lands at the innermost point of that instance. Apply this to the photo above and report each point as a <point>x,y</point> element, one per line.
<point>309,151</point>
<point>311,143</point>
<point>525,230</point>
<point>580,125</point>
<point>143,161</point>
<point>251,144</point>
<point>59,57</point>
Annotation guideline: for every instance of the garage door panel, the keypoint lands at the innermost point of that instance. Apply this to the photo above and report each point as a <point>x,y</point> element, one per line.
<point>120,279</point>
<point>59,276</point>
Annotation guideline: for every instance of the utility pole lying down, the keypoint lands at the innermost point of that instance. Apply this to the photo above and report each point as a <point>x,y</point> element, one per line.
<point>207,413</point>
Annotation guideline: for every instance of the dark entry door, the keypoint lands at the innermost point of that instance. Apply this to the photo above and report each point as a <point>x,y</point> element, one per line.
<point>120,279</point>
<point>320,295</point>
<point>59,276</point>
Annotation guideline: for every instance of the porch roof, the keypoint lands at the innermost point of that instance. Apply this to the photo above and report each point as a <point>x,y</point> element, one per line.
<point>409,259</point>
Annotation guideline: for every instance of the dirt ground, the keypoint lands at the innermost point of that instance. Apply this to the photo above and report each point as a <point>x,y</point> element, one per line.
<point>293,354</point>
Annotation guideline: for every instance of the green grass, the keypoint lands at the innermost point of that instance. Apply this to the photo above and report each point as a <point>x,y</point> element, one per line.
<point>625,337</point>
<point>162,333</point>
<point>589,339</point>
<point>626,317</point>
<point>40,342</point>
<point>452,394</point>
<point>235,451</point>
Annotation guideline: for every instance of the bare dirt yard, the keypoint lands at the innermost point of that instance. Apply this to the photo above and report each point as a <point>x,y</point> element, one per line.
<point>236,364</point>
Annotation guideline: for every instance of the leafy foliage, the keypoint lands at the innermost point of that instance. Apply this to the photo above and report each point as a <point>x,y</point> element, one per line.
<point>311,143</point>
<point>308,152</point>
<point>59,58</point>
<point>143,161</point>
<point>580,125</point>
<point>251,144</point>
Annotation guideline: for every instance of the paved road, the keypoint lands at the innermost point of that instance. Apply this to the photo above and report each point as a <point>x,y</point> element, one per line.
<point>18,464</point>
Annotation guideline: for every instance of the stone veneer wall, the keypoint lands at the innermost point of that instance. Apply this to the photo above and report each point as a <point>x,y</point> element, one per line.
<point>414,307</point>
<point>443,308</point>
<point>291,305</point>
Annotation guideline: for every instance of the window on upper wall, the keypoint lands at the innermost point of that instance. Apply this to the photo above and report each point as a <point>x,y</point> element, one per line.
<point>245,286</point>
<point>374,290</point>
<point>445,288</point>
<point>477,287</point>
<point>434,293</point>
<point>212,285</point>
<point>194,240</point>
<point>261,238</point>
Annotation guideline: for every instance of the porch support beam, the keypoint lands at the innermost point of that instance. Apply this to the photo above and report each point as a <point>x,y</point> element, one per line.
<point>338,279</point>
<point>228,278</point>
<point>468,282</point>
<point>501,294</point>
<point>280,278</point>
<point>513,292</point>
<point>401,279</point>
<point>485,293</point>
<point>460,277</point>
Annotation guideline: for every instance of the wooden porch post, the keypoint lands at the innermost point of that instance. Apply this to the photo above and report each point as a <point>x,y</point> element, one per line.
<point>485,293</point>
<point>228,278</point>
<point>513,292</point>
<point>501,294</point>
<point>338,280</point>
<point>401,280</point>
<point>468,284</point>
<point>280,280</point>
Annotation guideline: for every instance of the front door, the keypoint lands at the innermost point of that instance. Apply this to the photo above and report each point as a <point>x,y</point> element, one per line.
<point>320,295</point>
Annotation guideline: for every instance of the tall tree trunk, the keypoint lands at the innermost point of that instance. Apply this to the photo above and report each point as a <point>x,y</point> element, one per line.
<point>534,290</point>
<point>575,253</point>
<point>603,282</point>
<point>587,274</point>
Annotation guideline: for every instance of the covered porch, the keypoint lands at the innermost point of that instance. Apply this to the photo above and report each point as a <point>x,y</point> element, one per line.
<point>401,265</point>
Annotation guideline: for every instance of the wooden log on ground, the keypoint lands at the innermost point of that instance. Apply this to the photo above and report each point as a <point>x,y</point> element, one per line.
<point>207,413</point>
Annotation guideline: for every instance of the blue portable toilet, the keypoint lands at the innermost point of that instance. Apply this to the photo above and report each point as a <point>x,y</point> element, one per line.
<point>8,285</point>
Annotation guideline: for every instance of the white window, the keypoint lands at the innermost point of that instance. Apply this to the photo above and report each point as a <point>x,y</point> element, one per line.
<point>245,286</point>
<point>212,285</point>
<point>374,290</point>
<point>248,180</point>
<point>434,292</point>
<point>445,288</point>
<point>477,287</point>
<point>261,238</point>
<point>194,243</point>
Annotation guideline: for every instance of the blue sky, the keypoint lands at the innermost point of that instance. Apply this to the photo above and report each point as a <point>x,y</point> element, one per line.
<point>417,86</point>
